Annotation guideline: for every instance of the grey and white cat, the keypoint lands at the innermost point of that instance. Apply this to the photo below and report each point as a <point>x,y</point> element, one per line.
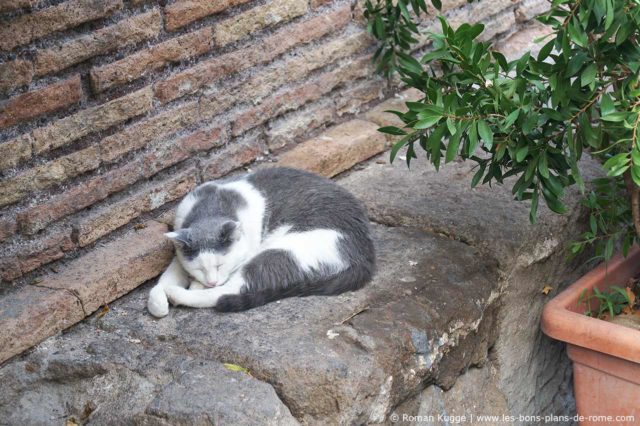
<point>268,235</point>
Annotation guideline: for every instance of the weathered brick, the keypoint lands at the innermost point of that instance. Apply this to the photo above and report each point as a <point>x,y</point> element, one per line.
<point>350,101</point>
<point>529,9</point>
<point>135,66</point>
<point>10,5</point>
<point>41,101</point>
<point>124,33</point>
<point>298,66</point>
<point>14,74</point>
<point>233,156</point>
<point>336,150</point>
<point>382,118</point>
<point>32,26</point>
<point>32,314</point>
<point>184,12</point>
<point>271,13</point>
<point>113,216</point>
<point>318,3</point>
<point>15,151</point>
<point>207,72</point>
<point>293,98</point>
<point>47,175</point>
<point>9,269</point>
<point>292,127</point>
<point>33,219</point>
<point>8,227</point>
<point>66,130</point>
<point>153,128</point>
<point>45,251</point>
<point>174,151</point>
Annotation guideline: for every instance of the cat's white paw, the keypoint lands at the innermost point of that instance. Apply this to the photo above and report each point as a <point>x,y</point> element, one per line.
<point>176,295</point>
<point>196,285</point>
<point>158,305</point>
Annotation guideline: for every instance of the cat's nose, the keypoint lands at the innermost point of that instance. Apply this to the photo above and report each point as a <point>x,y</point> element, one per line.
<point>212,283</point>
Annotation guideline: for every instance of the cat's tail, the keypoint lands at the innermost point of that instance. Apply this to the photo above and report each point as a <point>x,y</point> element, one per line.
<point>351,279</point>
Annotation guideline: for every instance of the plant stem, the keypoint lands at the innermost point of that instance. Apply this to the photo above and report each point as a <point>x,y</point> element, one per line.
<point>634,193</point>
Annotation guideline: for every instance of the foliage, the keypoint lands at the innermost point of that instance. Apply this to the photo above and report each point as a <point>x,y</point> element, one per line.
<point>530,118</point>
<point>610,303</point>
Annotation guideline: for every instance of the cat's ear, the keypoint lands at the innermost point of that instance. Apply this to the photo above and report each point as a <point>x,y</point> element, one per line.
<point>229,231</point>
<point>182,236</point>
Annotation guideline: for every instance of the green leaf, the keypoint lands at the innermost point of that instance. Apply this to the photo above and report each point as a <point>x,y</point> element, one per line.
<point>511,118</point>
<point>615,116</point>
<point>478,175</point>
<point>522,153</point>
<point>533,213</point>
<point>606,105</point>
<point>543,167</point>
<point>452,147</point>
<point>437,4</point>
<point>546,50</point>
<point>588,76</point>
<point>397,147</point>
<point>473,139</point>
<point>485,133</point>
<point>392,130</point>
<point>427,122</point>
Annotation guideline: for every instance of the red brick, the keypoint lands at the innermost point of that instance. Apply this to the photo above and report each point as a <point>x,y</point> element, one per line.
<point>145,131</point>
<point>113,216</point>
<point>15,151</point>
<point>42,101</point>
<point>184,12</point>
<point>32,26</point>
<point>10,5</point>
<point>60,300</point>
<point>124,33</point>
<point>173,152</point>
<point>297,125</point>
<point>66,130</point>
<point>14,74</point>
<point>293,98</point>
<point>270,13</point>
<point>233,156</point>
<point>350,101</point>
<point>48,174</point>
<point>78,197</point>
<point>9,269</point>
<point>32,314</point>
<point>8,227</point>
<point>336,150</point>
<point>137,65</point>
<point>207,72</point>
<point>45,251</point>
<point>318,3</point>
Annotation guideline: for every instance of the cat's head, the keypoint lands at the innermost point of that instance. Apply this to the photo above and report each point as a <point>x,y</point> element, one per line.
<point>211,252</point>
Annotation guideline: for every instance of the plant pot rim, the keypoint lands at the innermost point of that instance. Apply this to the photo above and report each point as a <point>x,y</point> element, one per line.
<point>561,321</point>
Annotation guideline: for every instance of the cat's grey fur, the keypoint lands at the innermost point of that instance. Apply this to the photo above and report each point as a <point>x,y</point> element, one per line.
<point>296,202</point>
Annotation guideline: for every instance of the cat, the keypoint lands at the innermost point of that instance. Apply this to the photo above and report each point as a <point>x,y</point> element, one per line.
<point>264,236</point>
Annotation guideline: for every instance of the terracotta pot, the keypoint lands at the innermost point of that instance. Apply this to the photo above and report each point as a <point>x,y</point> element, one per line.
<point>606,356</point>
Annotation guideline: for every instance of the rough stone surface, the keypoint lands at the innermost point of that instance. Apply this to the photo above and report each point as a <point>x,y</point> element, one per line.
<point>337,149</point>
<point>109,218</point>
<point>41,101</point>
<point>124,33</point>
<point>322,368</point>
<point>207,72</point>
<point>137,65</point>
<point>14,74</point>
<point>65,15</point>
<point>101,117</point>
<point>48,174</point>
<point>183,12</point>
<point>271,13</point>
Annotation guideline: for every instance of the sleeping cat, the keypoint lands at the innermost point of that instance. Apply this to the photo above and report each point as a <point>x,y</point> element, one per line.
<point>268,235</point>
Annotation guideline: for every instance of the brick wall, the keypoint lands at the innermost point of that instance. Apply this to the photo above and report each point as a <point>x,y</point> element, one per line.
<point>112,110</point>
